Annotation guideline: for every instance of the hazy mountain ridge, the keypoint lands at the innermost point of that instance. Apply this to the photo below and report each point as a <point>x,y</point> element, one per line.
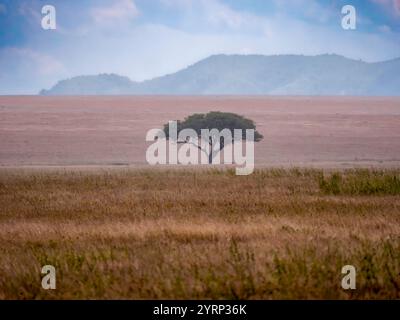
<point>252,74</point>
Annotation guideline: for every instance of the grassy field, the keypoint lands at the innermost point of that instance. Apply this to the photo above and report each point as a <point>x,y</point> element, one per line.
<point>158,233</point>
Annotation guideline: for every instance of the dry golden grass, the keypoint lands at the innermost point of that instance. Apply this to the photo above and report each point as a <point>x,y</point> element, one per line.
<point>137,234</point>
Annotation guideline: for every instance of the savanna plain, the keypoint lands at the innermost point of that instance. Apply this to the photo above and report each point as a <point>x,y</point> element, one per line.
<point>117,230</point>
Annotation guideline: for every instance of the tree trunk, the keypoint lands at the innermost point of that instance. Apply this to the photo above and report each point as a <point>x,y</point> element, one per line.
<point>210,154</point>
<point>210,157</point>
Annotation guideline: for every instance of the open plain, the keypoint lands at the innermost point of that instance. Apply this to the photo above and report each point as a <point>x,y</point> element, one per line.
<point>76,193</point>
<point>298,131</point>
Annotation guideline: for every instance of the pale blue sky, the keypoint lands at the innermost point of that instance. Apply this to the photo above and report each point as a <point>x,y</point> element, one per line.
<point>146,38</point>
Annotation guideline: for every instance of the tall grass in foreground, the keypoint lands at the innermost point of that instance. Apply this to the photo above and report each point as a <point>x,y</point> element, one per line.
<point>361,182</point>
<point>188,234</point>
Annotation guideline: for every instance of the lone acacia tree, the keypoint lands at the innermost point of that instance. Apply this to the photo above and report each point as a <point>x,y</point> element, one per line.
<point>215,122</point>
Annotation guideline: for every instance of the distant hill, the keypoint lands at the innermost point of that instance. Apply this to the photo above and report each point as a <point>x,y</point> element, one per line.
<point>92,85</point>
<point>252,75</point>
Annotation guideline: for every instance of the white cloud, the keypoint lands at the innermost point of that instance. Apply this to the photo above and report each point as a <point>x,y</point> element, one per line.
<point>311,9</point>
<point>384,28</point>
<point>182,4</point>
<point>45,64</point>
<point>27,9</point>
<point>24,70</point>
<point>212,14</point>
<point>221,15</point>
<point>119,11</point>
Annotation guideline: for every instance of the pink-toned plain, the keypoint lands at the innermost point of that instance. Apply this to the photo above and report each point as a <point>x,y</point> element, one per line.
<point>298,131</point>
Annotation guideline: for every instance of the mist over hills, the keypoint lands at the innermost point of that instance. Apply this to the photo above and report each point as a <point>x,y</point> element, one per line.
<point>251,75</point>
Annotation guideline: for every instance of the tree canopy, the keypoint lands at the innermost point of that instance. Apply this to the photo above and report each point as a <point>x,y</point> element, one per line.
<point>213,121</point>
<point>216,120</point>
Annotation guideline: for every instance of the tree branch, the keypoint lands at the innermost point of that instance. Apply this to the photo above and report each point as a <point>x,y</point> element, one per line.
<point>193,144</point>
